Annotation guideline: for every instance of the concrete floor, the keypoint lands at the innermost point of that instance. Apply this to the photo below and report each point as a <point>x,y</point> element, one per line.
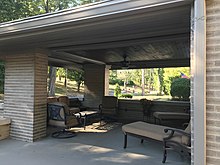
<point>86,149</point>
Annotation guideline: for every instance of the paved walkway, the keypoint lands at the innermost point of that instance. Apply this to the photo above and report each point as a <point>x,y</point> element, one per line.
<point>86,149</point>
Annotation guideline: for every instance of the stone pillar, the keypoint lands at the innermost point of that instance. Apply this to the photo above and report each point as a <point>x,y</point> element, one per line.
<point>107,80</point>
<point>95,82</point>
<point>26,94</point>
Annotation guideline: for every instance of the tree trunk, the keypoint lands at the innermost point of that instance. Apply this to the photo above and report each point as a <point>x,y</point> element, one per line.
<point>65,80</point>
<point>125,85</point>
<point>160,76</point>
<point>143,82</point>
<point>46,7</point>
<point>52,80</point>
<point>78,86</point>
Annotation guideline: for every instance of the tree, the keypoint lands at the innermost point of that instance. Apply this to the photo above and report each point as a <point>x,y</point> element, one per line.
<point>52,80</point>
<point>83,2</point>
<point>61,72</point>
<point>151,79</point>
<point>117,90</point>
<point>113,76</point>
<point>143,81</point>
<point>161,80</point>
<point>17,9</point>
<point>77,76</point>
<point>125,75</point>
<point>136,76</point>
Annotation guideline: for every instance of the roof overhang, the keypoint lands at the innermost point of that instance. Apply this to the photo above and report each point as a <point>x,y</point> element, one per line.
<point>148,32</point>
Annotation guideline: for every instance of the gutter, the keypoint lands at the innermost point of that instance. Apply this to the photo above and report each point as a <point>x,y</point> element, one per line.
<point>93,11</point>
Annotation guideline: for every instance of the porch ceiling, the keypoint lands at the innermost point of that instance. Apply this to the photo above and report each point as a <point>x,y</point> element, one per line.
<point>152,33</point>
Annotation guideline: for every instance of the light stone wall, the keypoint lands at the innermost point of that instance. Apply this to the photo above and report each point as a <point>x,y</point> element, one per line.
<point>26,94</point>
<point>94,85</point>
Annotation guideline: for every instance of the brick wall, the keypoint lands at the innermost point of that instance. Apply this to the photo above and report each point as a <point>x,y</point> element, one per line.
<point>213,82</point>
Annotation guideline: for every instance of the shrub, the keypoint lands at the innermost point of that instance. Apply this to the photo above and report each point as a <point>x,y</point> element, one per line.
<point>126,96</point>
<point>180,89</point>
<point>117,90</point>
<point>131,83</point>
<point>116,81</point>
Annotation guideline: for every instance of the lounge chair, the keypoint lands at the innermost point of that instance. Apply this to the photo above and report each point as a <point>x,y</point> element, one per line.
<point>180,143</point>
<point>171,138</point>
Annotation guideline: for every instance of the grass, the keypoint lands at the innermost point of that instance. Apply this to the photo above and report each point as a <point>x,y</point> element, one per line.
<point>137,93</point>
<point>152,97</point>
<point>70,90</point>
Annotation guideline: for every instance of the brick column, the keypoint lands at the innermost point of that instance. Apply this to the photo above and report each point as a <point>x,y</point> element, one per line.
<point>25,94</point>
<point>95,82</point>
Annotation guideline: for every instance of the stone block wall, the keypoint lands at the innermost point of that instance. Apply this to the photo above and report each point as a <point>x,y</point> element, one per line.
<point>94,85</point>
<point>25,95</point>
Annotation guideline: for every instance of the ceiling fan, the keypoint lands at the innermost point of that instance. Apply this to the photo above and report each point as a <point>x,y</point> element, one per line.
<point>125,64</point>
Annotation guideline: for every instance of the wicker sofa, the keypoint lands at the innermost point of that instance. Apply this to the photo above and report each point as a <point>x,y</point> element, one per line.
<point>4,127</point>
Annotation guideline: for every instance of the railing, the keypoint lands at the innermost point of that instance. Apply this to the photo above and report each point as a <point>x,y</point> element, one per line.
<point>131,110</point>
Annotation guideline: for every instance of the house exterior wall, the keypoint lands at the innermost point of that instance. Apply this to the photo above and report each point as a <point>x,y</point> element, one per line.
<point>213,81</point>
<point>25,95</point>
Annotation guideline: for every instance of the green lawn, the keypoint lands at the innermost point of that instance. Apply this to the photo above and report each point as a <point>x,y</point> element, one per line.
<point>70,90</point>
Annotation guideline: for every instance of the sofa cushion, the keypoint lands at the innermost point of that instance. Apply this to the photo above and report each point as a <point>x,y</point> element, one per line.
<point>145,129</point>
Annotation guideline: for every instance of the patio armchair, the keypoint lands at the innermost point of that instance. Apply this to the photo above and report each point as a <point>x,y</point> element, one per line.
<point>109,108</point>
<point>146,105</point>
<point>51,99</point>
<point>59,115</point>
<point>178,140</point>
<point>74,105</point>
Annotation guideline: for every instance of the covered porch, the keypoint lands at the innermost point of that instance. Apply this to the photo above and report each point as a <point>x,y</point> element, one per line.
<point>94,38</point>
